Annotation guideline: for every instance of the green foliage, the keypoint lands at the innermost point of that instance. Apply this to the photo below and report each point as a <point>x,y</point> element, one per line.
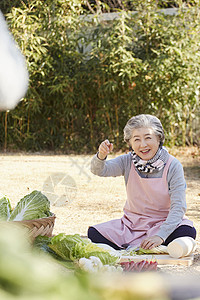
<point>88,76</point>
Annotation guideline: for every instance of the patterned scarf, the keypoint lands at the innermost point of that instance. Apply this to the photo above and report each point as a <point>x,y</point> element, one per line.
<point>155,164</point>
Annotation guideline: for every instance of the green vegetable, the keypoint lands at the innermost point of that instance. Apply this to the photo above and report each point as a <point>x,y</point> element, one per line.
<point>157,250</point>
<point>91,249</point>
<point>144,251</point>
<point>33,206</point>
<point>5,208</point>
<point>41,243</point>
<point>73,247</point>
<point>63,244</point>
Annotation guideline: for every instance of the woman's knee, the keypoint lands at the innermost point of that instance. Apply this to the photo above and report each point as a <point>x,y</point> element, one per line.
<point>96,237</point>
<point>183,230</point>
<point>91,233</point>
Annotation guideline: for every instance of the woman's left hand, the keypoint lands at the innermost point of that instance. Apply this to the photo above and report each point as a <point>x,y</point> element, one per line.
<point>151,242</point>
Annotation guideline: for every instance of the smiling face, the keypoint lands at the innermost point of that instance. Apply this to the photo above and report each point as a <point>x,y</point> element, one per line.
<point>144,142</point>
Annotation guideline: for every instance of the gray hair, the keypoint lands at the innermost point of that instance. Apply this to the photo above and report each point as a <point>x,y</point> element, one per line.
<point>141,121</point>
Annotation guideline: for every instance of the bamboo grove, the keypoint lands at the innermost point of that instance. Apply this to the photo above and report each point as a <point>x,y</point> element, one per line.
<point>89,75</point>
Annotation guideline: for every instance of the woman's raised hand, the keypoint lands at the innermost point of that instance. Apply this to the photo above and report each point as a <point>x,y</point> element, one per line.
<point>104,149</point>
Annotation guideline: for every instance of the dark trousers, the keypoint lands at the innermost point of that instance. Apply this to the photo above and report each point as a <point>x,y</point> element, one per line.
<point>183,230</point>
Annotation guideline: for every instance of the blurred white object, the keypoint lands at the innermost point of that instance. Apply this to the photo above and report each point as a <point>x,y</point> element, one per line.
<point>181,247</point>
<point>13,72</point>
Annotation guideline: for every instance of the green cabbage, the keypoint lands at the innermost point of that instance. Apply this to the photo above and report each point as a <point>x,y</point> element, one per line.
<point>73,247</point>
<point>5,208</point>
<point>63,244</point>
<point>33,206</point>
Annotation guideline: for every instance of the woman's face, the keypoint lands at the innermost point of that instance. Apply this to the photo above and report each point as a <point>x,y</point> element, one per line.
<point>144,142</point>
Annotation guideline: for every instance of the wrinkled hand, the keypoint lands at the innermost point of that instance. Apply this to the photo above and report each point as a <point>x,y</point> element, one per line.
<point>104,149</point>
<point>151,242</point>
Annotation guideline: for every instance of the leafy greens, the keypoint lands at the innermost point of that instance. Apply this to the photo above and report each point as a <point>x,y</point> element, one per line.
<point>32,206</point>
<point>5,208</point>
<point>73,247</point>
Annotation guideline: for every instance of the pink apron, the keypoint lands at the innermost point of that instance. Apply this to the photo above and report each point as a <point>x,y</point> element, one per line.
<point>146,208</point>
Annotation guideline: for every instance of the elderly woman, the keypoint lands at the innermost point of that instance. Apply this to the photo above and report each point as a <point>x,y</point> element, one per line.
<point>154,212</point>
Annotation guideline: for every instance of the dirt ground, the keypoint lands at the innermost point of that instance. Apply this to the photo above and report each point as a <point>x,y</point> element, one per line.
<point>79,198</point>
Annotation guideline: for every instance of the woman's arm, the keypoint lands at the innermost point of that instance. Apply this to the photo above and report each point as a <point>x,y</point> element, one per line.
<point>113,167</point>
<point>101,167</point>
<point>177,187</point>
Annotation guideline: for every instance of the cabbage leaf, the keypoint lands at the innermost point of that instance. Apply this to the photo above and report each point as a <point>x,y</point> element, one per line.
<point>73,247</point>
<point>64,244</point>
<point>5,208</point>
<point>157,250</point>
<point>32,206</point>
